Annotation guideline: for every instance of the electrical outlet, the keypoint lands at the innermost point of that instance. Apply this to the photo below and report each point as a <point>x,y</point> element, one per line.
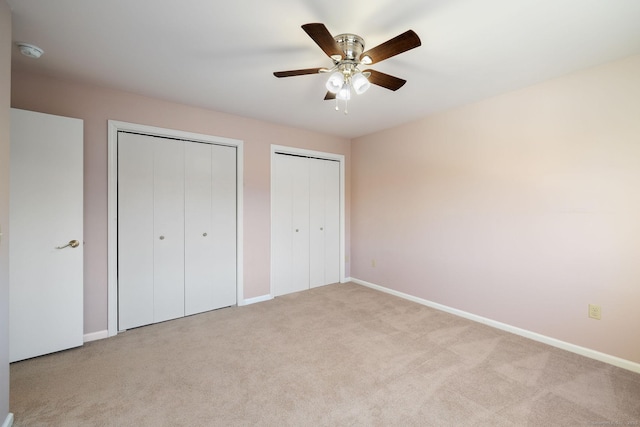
<point>373,263</point>
<point>595,312</point>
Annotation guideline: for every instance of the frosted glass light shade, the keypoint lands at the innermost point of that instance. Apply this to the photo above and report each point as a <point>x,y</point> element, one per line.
<point>335,82</point>
<point>345,93</point>
<point>360,83</point>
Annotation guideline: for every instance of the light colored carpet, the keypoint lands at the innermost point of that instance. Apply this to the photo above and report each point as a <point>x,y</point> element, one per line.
<point>338,355</point>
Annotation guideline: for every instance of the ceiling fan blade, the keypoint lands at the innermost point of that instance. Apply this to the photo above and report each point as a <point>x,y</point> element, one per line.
<point>324,39</point>
<point>292,73</point>
<point>329,96</point>
<point>385,80</point>
<point>402,43</point>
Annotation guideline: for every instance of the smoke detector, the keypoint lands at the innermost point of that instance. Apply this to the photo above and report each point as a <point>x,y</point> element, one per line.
<point>30,50</point>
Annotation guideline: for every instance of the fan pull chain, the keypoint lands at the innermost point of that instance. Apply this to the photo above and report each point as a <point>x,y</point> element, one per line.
<point>337,107</point>
<point>346,111</point>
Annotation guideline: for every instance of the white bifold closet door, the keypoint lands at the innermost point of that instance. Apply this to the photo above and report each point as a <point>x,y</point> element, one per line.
<point>305,223</point>
<point>135,231</point>
<point>210,227</point>
<point>176,228</point>
<point>168,230</point>
<point>324,222</point>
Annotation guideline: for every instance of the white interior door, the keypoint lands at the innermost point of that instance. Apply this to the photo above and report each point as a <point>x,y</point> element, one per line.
<point>46,214</point>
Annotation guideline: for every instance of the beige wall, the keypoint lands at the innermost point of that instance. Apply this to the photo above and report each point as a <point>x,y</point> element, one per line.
<point>5,90</point>
<point>97,105</point>
<point>523,208</point>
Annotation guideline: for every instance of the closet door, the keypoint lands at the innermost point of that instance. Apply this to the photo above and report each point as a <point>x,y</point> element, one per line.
<point>305,223</point>
<point>224,226</point>
<point>210,227</point>
<point>332,223</point>
<point>324,217</point>
<point>150,230</point>
<point>300,215</point>
<point>168,224</point>
<point>135,231</point>
<point>290,225</point>
<point>198,288</point>
<point>281,226</point>
<point>177,250</point>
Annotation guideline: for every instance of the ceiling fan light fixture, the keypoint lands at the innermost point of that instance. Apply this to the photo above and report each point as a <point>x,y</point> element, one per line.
<point>360,83</point>
<point>345,93</point>
<point>347,53</point>
<point>335,82</point>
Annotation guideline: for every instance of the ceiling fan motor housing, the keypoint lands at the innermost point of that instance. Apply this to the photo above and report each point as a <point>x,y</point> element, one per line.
<point>352,46</point>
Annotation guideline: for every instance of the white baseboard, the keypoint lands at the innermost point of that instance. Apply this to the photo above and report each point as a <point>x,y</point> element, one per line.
<point>94,336</point>
<point>583,351</point>
<point>255,300</point>
<point>8,422</point>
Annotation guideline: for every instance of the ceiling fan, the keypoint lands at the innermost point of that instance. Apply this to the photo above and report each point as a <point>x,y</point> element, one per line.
<point>347,53</point>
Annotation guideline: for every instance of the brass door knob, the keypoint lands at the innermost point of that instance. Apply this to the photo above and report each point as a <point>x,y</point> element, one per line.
<point>72,243</point>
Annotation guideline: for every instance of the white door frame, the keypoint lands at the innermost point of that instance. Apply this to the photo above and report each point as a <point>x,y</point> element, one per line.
<point>319,155</point>
<point>112,227</point>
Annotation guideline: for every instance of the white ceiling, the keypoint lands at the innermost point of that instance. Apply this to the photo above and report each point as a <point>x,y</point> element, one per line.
<point>221,55</point>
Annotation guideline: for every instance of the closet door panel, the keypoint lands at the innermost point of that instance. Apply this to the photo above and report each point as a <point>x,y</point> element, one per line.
<point>168,259</point>
<point>282,225</point>
<point>223,225</point>
<point>290,218</point>
<point>300,211</point>
<point>332,222</point>
<point>324,246</point>
<point>135,231</point>
<point>317,189</point>
<point>199,252</point>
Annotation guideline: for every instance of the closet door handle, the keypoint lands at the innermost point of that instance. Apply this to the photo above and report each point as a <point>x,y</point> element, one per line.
<point>161,237</point>
<point>204,234</point>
